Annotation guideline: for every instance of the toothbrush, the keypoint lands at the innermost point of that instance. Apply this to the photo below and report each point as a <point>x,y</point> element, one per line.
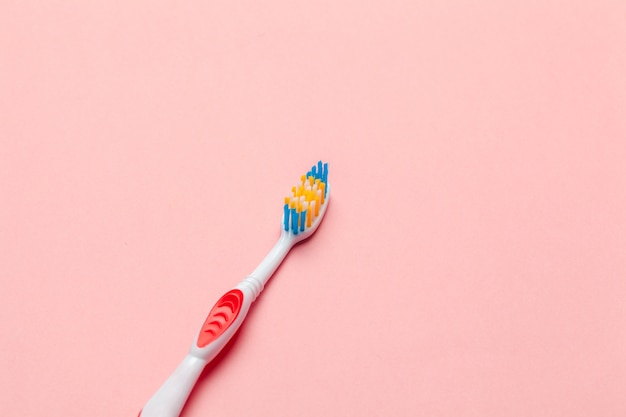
<point>303,211</point>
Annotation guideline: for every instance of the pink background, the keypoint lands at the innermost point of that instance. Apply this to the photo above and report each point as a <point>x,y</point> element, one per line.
<point>473,258</point>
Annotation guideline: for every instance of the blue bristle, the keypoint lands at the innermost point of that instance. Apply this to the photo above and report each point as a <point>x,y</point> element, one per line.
<point>286,216</point>
<point>294,221</point>
<point>325,179</point>
<point>302,220</point>
<point>313,171</point>
<point>319,169</point>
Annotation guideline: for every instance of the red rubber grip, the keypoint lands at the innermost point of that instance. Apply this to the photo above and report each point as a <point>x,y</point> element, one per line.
<point>222,315</point>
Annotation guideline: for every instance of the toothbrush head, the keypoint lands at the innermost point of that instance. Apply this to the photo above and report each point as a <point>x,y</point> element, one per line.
<point>305,207</point>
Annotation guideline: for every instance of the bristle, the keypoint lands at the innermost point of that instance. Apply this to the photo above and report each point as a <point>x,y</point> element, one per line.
<point>308,216</point>
<point>294,221</point>
<point>286,214</point>
<point>303,206</point>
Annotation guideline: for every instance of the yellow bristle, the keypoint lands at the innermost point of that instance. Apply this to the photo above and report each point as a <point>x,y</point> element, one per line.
<point>308,217</point>
<point>311,180</point>
<point>317,207</point>
<point>323,187</point>
<point>292,204</point>
<point>287,199</point>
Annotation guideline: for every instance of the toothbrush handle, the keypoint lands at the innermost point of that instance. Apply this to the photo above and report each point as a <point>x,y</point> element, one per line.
<point>219,327</point>
<point>169,400</point>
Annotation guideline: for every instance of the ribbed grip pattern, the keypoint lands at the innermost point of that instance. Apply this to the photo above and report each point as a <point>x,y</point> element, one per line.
<point>254,284</point>
<point>222,315</point>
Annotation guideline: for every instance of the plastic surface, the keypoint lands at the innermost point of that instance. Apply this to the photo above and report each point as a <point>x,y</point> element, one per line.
<point>221,317</point>
<point>170,399</point>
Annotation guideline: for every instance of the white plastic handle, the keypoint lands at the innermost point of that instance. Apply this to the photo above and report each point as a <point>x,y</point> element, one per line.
<point>170,399</point>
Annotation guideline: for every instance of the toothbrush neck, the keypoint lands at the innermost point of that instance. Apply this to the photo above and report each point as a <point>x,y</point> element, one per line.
<point>266,268</point>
